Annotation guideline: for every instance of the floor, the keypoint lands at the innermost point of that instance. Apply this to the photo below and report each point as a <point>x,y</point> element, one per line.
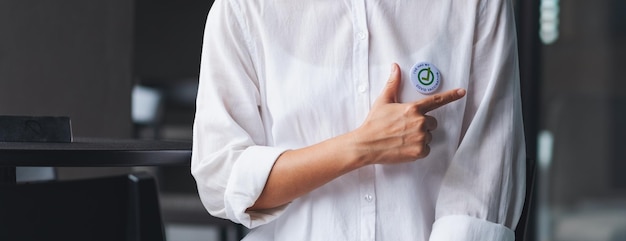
<point>182,232</point>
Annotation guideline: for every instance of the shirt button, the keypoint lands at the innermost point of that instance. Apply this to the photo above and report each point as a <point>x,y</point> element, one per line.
<point>361,35</point>
<point>362,88</point>
<point>369,198</point>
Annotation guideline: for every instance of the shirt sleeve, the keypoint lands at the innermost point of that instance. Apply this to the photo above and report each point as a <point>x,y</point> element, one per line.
<point>482,192</point>
<point>231,160</point>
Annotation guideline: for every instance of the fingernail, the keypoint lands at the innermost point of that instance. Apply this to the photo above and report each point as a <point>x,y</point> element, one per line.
<point>394,68</point>
<point>461,92</point>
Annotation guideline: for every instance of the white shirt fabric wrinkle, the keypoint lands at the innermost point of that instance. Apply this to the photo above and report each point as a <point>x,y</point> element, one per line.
<point>280,75</point>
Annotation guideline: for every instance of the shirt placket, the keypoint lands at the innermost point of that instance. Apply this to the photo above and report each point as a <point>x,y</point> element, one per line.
<point>362,85</point>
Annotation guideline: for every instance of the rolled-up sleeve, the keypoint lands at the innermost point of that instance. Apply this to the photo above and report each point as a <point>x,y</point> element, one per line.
<point>482,192</point>
<point>231,160</point>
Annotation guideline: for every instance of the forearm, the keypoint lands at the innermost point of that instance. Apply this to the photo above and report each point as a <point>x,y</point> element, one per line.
<point>392,133</point>
<point>298,172</point>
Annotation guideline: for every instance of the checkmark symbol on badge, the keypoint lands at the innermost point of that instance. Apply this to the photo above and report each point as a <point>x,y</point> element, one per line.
<point>425,77</point>
<point>426,80</point>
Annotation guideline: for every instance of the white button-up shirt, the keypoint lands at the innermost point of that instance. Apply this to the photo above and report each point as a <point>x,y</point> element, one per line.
<point>279,75</point>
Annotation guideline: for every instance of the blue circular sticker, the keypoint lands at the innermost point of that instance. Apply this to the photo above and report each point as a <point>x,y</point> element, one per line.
<point>425,77</point>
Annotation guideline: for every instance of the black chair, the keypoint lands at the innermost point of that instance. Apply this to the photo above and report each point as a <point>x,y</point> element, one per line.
<point>522,226</point>
<point>112,208</point>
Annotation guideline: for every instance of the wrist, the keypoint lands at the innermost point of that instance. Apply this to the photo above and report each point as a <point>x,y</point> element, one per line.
<point>356,154</point>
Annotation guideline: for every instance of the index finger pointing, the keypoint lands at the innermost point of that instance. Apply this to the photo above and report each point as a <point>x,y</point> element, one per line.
<point>433,102</point>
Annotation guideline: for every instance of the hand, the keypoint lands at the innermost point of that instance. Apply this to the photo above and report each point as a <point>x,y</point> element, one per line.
<point>399,132</point>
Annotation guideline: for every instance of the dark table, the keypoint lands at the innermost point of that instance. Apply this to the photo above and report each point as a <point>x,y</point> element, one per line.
<point>91,152</point>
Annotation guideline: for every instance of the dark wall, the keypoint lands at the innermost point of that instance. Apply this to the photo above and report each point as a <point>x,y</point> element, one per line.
<point>168,39</point>
<point>69,58</point>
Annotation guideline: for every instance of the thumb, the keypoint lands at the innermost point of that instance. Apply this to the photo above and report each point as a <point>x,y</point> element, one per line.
<point>390,92</point>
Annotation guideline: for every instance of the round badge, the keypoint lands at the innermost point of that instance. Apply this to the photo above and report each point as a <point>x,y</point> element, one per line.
<point>425,77</point>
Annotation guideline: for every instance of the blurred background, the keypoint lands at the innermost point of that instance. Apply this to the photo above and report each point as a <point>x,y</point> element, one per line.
<point>580,108</point>
<point>129,69</point>
<point>119,69</point>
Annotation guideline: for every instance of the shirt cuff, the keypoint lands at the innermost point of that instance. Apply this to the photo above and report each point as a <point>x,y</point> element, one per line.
<point>466,228</point>
<point>247,180</point>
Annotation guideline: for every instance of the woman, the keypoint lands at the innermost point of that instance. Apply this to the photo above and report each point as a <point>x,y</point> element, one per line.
<point>301,133</point>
